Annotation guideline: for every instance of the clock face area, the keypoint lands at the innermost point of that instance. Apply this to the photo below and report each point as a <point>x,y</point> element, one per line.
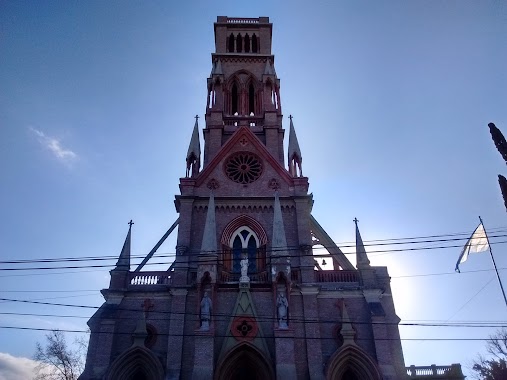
<point>243,167</point>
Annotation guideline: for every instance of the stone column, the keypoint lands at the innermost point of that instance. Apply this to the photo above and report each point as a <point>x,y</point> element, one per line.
<point>176,330</point>
<point>312,332</point>
<point>97,362</point>
<point>284,352</point>
<point>203,355</point>
<point>381,336</point>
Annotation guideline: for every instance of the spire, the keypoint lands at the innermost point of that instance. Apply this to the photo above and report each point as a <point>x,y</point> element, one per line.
<point>209,237</point>
<point>362,261</point>
<point>217,68</point>
<point>279,242</point>
<point>294,153</point>
<point>124,259</point>
<point>347,331</point>
<point>194,152</point>
<point>269,69</point>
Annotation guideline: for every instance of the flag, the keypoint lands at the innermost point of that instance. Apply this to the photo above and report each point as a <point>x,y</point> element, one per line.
<point>478,242</point>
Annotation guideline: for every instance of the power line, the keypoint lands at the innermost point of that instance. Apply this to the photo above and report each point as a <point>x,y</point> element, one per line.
<point>232,259</point>
<point>226,316</point>
<point>304,337</point>
<point>383,242</point>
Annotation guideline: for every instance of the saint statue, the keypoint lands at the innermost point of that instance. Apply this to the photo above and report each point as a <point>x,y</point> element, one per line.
<point>282,305</point>
<point>205,312</point>
<point>244,270</point>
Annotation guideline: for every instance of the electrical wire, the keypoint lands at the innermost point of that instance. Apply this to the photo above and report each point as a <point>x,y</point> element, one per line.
<point>227,316</point>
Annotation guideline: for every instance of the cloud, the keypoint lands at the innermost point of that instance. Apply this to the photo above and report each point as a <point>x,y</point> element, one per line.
<point>55,147</point>
<point>16,368</point>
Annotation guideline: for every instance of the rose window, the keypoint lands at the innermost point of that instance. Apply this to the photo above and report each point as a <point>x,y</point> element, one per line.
<point>243,168</point>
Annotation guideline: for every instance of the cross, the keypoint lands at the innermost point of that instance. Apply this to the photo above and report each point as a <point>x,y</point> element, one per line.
<point>243,141</point>
<point>130,223</point>
<point>290,117</point>
<point>147,306</point>
<point>196,117</point>
<point>355,221</point>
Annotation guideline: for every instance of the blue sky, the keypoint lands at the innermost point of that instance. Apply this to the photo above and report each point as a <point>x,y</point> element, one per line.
<point>391,102</point>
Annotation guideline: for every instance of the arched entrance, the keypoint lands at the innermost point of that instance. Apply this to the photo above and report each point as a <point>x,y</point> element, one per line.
<point>351,363</point>
<point>244,363</point>
<point>136,363</point>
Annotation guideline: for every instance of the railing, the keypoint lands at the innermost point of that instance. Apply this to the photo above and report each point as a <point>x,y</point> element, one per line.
<point>433,371</point>
<point>261,277</point>
<point>150,278</point>
<point>239,121</point>
<point>242,20</point>
<point>336,276</point>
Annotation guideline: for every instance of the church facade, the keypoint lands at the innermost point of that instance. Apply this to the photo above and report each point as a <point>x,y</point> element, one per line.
<point>245,297</point>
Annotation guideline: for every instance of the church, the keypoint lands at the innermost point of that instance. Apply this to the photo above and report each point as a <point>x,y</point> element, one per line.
<point>245,297</point>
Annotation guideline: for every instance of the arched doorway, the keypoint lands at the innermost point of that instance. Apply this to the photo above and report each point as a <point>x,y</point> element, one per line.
<point>351,363</point>
<point>137,363</point>
<point>244,363</point>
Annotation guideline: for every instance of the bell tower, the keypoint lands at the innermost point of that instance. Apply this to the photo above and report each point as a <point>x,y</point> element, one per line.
<point>243,89</point>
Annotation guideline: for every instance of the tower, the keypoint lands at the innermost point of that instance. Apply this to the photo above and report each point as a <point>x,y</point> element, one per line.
<point>244,297</point>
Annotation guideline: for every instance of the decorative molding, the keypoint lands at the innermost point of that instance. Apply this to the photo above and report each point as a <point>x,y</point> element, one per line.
<point>274,184</point>
<point>213,184</point>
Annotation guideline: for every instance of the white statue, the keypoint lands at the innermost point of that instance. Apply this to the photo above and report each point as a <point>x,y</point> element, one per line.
<point>282,305</point>
<point>205,312</point>
<point>244,270</point>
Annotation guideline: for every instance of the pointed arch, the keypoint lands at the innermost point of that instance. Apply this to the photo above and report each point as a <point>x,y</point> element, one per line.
<point>136,363</point>
<point>351,362</point>
<point>230,43</point>
<point>247,43</point>
<point>246,362</point>
<point>244,220</point>
<point>254,43</point>
<point>239,43</point>
<point>252,101</point>
<point>244,236</point>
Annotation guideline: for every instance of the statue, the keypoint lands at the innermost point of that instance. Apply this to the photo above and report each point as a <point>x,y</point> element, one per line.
<point>282,305</point>
<point>205,312</point>
<point>244,270</point>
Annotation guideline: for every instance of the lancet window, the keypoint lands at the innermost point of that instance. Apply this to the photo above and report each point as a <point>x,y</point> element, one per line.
<point>244,242</point>
<point>230,44</point>
<point>247,43</point>
<point>254,44</point>
<point>234,99</point>
<point>239,43</point>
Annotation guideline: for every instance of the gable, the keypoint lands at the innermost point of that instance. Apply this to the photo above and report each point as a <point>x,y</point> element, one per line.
<point>244,166</point>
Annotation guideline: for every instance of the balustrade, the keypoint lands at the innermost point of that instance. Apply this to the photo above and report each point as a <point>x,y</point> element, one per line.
<point>242,20</point>
<point>150,278</point>
<point>452,371</point>
<point>336,276</point>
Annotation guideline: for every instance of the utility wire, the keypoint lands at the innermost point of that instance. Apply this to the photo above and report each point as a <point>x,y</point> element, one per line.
<point>290,248</point>
<point>232,259</point>
<point>227,316</point>
<point>304,337</point>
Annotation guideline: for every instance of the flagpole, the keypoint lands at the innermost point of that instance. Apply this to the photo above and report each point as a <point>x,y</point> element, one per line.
<point>494,264</point>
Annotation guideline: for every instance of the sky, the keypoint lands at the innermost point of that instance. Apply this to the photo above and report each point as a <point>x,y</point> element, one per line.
<point>391,102</point>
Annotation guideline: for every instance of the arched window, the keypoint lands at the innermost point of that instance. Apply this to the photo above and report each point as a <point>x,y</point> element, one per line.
<point>244,242</point>
<point>239,43</point>
<point>234,99</point>
<point>251,99</point>
<point>231,43</point>
<point>254,44</point>
<point>247,44</point>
